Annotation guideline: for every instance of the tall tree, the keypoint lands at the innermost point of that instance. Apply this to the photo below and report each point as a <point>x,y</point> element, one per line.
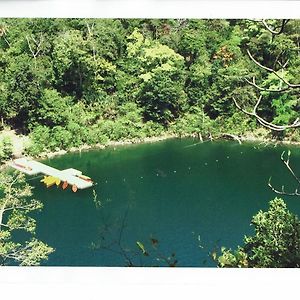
<point>161,75</point>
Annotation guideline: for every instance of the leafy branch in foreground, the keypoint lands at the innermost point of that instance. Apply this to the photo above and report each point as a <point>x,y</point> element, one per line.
<point>275,244</point>
<point>281,93</point>
<point>15,205</point>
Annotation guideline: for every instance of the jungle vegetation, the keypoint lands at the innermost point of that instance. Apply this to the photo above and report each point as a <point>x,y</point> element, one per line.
<point>68,82</point>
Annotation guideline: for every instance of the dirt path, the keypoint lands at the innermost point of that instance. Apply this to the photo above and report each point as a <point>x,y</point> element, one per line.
<point>19,141</point>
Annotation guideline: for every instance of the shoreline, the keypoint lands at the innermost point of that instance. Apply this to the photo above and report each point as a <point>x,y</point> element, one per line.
<point>225,136</point>
<point>154,139</point>
<point>99,146</point>
<point>85,147</point>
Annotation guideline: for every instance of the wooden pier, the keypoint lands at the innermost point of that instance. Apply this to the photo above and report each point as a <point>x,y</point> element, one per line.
<point>70,176</point>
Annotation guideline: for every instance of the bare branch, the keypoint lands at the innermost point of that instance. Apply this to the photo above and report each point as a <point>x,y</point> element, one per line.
<point>253,83</point>
<point>7,42</point>
<point>282,191</point>
<point>286,162</point>
<point>37,44</point>
<point>273,31</point>
<point>288,86</point>
<point>284,85</point>
<point>29,45</point>
<point>272,71</point>
<point>257,104</point>
<point>262,121</point>
<point>284,64</point>
<point>90,31</point>
<point>232,136</point>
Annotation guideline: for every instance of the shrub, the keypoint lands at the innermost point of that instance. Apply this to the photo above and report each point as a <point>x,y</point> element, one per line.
<point>60,138</point>
<point>151,128</point>
<point>40,137</point>
<point>276,242</point>
<point>193,122</point>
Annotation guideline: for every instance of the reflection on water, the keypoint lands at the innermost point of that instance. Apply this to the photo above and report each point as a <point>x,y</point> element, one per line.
<point>168,203</point>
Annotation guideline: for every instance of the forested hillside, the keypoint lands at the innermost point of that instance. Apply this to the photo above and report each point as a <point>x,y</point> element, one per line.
<point>68,82</point>
<point>65,83</point>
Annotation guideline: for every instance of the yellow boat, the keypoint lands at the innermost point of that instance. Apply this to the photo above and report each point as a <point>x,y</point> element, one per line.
<point>50,180</point>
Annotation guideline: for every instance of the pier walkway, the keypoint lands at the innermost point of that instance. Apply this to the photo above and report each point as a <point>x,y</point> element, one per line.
<point>69,176</point>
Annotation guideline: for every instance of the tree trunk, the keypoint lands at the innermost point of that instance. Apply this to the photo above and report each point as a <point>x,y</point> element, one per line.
<point>200,136</point>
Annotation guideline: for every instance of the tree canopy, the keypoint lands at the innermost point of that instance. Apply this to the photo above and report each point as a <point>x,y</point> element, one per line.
<point>73,77</point>
<point>69,82</point>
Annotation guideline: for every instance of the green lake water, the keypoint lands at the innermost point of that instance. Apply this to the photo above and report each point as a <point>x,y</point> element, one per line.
<point>192,197</point>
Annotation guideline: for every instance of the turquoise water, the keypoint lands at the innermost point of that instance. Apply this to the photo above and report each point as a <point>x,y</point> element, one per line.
<point>190,198</point>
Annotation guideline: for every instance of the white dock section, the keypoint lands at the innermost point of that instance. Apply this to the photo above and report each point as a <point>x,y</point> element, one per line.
<point>32,167</point>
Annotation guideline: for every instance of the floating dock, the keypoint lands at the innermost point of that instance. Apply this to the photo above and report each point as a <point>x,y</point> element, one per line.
<point>70,176</point>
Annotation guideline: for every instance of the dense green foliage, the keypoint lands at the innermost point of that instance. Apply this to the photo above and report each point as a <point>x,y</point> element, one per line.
<point>69,82</point>
<point>276,242</point>
<point>6,150</point>
<point>16,204</point>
